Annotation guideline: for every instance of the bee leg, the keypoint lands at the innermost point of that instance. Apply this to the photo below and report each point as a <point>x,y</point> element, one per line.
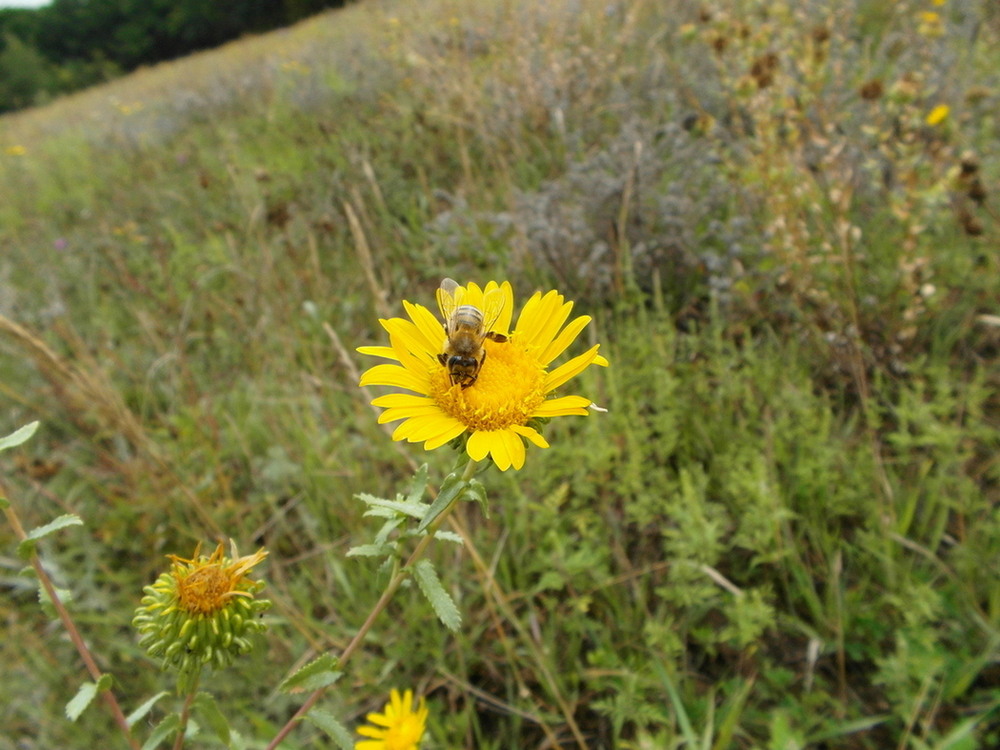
<point>498,337</point>
<point>443,359</point>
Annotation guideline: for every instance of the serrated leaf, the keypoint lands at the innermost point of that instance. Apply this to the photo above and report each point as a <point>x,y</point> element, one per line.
<point>369,499</point>
<point>79,702</point>
<point>19,436</point>
<point>318,673</point>
<point>333,728</point>
<point>208,710</point>
<point>448,536</point>
<point>419,485</point>
<point>27,546</point>
<point>65,596</point>
<point>369,550</point>
<point>451,487</point>
<point>140,713</point>
<point>477,493</point>
<point>415,510</point>
<point>387,528</point>
<point>167,728</point>
<point>442,603</point>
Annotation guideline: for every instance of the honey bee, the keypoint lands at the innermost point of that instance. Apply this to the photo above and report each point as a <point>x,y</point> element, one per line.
<point>466,327</point>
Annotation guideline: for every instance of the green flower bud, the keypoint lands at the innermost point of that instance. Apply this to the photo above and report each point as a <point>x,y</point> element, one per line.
<point>203,611</point>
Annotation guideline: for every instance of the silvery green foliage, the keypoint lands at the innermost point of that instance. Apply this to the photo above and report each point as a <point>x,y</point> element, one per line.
<point>683,225</point>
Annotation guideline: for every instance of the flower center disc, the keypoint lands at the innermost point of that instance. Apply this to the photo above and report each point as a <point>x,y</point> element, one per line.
<point>507,391</point>
<point>204,590</point>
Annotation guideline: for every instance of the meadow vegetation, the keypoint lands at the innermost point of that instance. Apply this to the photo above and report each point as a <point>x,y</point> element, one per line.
<point>783,217</point>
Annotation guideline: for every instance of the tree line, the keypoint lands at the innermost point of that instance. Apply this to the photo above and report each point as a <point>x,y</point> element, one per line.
<point>72,44</point>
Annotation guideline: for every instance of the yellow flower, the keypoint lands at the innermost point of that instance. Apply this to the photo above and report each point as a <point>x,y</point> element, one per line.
<point>511,389</point>
<point>204,611</point>
<point>400,726</point>
<point>17,150</point>
<point>938,115</point>
<point>206,585</point>
<point>931,24</point>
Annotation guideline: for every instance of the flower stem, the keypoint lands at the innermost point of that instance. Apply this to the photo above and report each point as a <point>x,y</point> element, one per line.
<point>74,635</point>
<point>397,579</point>
<point>186,710</point>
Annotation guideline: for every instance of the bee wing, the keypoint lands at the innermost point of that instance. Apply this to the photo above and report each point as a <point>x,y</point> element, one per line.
<point>448,296</point>
<point>496,315</point>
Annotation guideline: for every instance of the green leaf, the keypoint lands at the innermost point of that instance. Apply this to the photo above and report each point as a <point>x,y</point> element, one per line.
<point>145,708</point>
<point>208,710</point>
<point>369,550</point>
<point>444,606</point>
<point>4,503</point>
<point>369,499</point>
<point>419,485</point>
<point>79,702</point>
<point>448,536</point>
<point>451,488</point>
<point>679,710</point>
<point>316,674</point>
<point>167,728</point>
<point>477,493</point>
<point>48,607</point>
<point>387,528</point>
<point>27,547</point>
<point>17,437</point>
<point>415,510</point>
<point>104,683</point>
<point>329,724</point>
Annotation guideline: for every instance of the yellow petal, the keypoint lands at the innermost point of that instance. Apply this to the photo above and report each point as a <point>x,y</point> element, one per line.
<point>502,324</point>
<point>479,445</point>
<point>419,361</point>
<point>419,429</point>
<point>504,446</point>
<point>566,337</point>
<point>379,351</point>
<point>570,369</point>
<point>528,312</point>
<point>533,316</point>
<point>429,326</point>
<point>401,399</point>
<point>474,295</point>
<point>540,324</point>
<point>448,433</point>
<point>514,447</point>
<point>408,412</point>
<point>532,434</point>
<point>563,406</point>
<point>499,450</point>
<point>397,376</point>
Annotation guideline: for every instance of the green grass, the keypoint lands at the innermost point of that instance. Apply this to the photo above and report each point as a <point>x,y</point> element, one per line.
<point>782,534</point>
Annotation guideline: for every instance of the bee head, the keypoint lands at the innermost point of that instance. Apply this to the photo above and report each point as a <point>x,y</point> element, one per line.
<point>463,370</point>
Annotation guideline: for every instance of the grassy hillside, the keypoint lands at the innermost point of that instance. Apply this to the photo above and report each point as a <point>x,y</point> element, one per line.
<point>783,219</point>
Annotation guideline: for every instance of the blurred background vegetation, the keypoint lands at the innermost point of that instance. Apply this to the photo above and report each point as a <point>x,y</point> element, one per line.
<point>783,217</point>
<point>68,45</point>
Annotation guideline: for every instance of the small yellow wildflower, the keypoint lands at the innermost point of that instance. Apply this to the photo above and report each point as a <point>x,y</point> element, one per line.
<point>931,24</point>
<point>938,115</point>
<point>400,726</point>
<point>17,150</point>
<point>510,392</point>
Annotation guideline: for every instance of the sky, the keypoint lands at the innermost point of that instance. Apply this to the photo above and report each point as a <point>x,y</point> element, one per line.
<point>23,3</point>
